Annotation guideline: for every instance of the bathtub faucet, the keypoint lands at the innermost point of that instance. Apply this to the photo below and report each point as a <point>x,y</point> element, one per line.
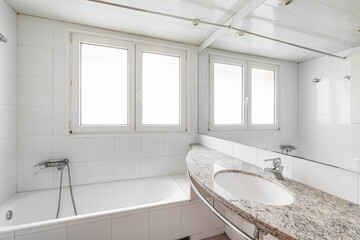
<point>58,163</point>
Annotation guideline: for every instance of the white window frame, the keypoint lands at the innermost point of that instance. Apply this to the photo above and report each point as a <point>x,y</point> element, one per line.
<point>135,50</point>
<point>231,61</point>
<point>272,67</point>
<point>182,127</point>
<point>76,127</point>
<point>247,65</point>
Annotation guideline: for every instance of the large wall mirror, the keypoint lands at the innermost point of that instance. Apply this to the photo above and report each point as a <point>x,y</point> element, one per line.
<point>300,109</point>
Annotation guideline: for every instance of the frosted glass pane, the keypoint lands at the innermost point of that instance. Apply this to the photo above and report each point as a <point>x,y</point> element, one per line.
<point>262,96</point>
<point>103,85</point>
<point>160,89</point>
<point>228,93</point>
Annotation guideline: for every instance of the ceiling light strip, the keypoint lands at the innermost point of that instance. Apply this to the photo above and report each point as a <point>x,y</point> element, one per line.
<point>212,24</point>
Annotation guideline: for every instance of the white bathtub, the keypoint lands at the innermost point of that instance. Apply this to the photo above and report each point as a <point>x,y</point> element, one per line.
<point>38,208</point>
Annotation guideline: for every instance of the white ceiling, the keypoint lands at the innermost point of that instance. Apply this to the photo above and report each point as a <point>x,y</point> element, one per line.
<point>325,25</point>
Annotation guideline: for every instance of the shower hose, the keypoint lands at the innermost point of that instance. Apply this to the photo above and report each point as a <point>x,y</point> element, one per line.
<point>60,190</point>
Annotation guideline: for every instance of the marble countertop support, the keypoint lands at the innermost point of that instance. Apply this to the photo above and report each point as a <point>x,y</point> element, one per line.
<point>313,215</point>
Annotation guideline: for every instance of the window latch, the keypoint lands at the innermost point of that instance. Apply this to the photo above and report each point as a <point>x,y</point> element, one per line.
<point>139,95</point>
<point>246,101</point>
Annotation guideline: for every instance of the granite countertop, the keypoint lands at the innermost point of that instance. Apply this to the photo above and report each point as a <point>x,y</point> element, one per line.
<point>314,214</point>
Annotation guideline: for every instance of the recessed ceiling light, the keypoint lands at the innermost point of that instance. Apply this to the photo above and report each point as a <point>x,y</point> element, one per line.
<point>285,2</point>
<point>240,33</point>
<point>357,29</point>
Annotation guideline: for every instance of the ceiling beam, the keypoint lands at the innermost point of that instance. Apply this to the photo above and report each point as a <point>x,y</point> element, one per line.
<point>248,8</point>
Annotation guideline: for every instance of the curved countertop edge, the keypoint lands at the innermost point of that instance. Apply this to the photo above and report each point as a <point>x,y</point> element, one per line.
<point>254,212</point>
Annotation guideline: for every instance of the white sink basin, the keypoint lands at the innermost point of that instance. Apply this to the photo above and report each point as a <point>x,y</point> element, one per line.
<point>253,188</point>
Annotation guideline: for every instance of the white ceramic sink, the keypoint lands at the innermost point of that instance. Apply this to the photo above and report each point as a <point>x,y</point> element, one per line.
<point>253,188</point>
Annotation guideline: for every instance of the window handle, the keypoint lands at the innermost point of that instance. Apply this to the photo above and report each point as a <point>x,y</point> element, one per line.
<point>139,95</point>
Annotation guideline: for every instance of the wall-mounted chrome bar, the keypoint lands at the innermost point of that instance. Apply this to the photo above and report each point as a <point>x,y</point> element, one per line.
<point>258,234</point>
<point>198,21</point>
<point>3,39</point>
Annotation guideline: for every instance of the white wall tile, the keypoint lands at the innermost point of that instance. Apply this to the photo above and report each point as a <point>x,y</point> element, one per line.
<point>165,224</point>
<point>8,120</point>
<point>245,153</point>
<point>176,145</point>
<point>175,164</point>
<point>77,173</point>
<point>127,147</point>
<point>7,184</point>
<point>8,148</point>
<point>132,227</point>
<point>8,90</point>
<point>99,148</point>
<point>128,168</point>
<point>34,121</point>
<point>35,61</point>
<point>100,171</point>
<point>70,148</point>
<point>34,149</point>
<point>344,185</point>
<point>152,166</point>
<point>34,31</point>
<point>59,92</point>
<point>152,146</point>
<point>30,178</point>
<point>59,121</point>
<point>35,91</point>
<point>59,64</point>
<point>90,231</point>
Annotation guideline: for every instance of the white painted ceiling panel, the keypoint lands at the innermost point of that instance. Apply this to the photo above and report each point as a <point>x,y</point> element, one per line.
<point>325,25</point>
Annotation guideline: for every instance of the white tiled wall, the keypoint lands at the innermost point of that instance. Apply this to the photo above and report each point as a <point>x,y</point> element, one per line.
<point>325,131</point>
<point>320,176</point>
<point>288,105</point>
<point>8,101</point>
<point>42,123</point>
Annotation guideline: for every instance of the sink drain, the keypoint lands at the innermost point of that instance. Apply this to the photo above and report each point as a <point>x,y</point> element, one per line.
<point>9,215</point>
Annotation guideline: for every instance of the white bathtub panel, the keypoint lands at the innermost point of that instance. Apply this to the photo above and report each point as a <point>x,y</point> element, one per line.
<point>195,219</point>
<point>165,224</point>
<point>7,236</point>
<point>90,231</point>
<point>56,234</point>
<point>132,227</point>
<point>45,228</point>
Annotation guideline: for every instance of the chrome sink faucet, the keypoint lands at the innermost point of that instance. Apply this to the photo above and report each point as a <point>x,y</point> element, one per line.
<point>277,168</point>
